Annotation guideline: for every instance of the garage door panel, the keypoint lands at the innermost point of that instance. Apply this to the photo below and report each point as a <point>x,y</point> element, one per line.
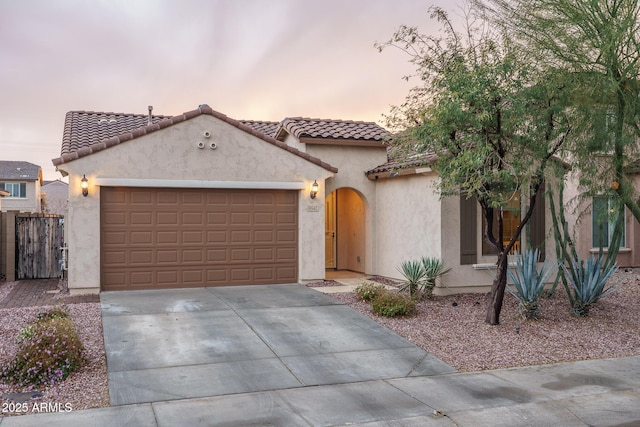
<point>286,236</point>
<point>217,237</point>
<point>115,238</point>
<point>263,236</point>
<point>193,218</point>
<point>144,257</point>
<point>241,255</point>
<point>141,218</point>
<point>167,256</point>
<point>240,218</point>
<point>286,218</point>
<point>217,255</point>
<point>192,256</point>
<point>191,277</point>
<point>167,218</point>
<point>114,258</point>
<point>197,237</point>
<point>239,236</point>
<point>114,218</point>
<point>217,218</point>
<point>191,237</point>
<point>167,237</point>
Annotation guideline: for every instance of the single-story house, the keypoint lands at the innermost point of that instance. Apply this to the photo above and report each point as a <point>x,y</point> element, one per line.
<point>200,199</point>
<point>22,180</point>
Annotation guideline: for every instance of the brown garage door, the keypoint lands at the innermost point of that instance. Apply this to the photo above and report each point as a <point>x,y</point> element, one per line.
<point>166,238</point>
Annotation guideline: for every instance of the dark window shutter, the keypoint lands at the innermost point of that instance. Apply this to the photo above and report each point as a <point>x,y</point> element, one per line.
<point>23,189</point>
<point>537,225</point>
<point>468,231</point>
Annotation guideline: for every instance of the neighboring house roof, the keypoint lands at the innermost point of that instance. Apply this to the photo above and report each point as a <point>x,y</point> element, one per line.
<point>401,161</point>
<point>329,131</point>
<point>55,183</point>
<point>82,138</point>
<point>19,171</point>
<point>267,128</point>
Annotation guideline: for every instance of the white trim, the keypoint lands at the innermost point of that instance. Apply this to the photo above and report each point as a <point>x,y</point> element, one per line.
<point>490,266</point>
<point>192,183</point>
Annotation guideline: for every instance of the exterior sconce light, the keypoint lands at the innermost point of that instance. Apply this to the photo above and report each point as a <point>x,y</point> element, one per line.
<point>84,183</point>
<point>314,189</point>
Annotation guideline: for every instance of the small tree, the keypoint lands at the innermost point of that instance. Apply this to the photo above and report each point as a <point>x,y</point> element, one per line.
<point>493,120</point>
<point>596,44</point>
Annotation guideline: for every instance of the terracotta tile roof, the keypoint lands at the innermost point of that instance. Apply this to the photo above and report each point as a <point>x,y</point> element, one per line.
<point>85,128</point>
<point>336,130</point>
<point>400,158</point>
<point>80,141</point>
<point>267,128</point>
<point>17,170</point>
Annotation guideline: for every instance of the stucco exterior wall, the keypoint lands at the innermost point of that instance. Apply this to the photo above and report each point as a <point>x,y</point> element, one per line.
<point>172,158</point>
<point>408,221</point>
<point>352,162</point>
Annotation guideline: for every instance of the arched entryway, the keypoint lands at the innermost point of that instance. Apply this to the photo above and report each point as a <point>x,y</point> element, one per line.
<point>345,230</point>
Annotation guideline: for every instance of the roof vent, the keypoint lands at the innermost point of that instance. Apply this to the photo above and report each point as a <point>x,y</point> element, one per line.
<point>150,121</point>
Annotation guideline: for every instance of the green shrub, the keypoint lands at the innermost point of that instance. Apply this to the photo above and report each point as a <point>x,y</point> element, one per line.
<point>47,354</point>
<point>57,312</point>
<point>391,304</point>
<point>368,291</point>
<point>413,273</point>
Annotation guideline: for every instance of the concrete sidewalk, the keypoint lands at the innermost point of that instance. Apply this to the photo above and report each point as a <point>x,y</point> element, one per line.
<point>286,355</point>
<point>589,393</point>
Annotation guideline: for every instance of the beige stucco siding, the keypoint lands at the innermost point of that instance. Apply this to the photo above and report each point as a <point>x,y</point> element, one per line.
<point>408,221</point>
<point>171,156</point>
<point>352,162</point>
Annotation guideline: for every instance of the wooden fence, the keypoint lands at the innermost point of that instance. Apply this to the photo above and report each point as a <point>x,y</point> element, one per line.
<point>38,241</point>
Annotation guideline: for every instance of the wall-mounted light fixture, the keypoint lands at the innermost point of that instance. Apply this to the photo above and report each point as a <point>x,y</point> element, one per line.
<point>84,183</point>
<point>314,189</point>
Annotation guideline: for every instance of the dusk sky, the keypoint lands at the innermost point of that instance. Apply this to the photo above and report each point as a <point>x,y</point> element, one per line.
<point>248,59</point>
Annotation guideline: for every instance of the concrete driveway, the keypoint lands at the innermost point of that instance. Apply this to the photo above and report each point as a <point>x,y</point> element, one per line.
<point>287,355</point>
<point>175,344</point>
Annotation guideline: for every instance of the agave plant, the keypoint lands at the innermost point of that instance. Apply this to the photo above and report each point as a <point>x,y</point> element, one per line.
<point>588,282</point>
<point>413,273</point>
<point>528,282</point>
<point>434,269</point>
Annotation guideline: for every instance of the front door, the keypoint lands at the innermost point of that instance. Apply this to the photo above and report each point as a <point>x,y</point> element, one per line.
<point>330,231</point>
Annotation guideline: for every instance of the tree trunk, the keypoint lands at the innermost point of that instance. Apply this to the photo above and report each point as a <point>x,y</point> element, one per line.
<point>497,290</point>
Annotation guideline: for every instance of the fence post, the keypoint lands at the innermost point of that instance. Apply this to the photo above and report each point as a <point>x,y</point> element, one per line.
<point>9,244</point>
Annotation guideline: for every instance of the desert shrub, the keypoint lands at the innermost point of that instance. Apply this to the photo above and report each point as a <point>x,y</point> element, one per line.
<point>53,313</point>
<point>368,291</point>
<point>413,274</point>
<point>588,282</point>
<point>391,304</point>
<point>528,282</point>
<point>47,353</point>
<point>434,270</point>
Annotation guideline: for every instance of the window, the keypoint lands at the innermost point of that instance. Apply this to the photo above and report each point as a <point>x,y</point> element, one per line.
<point>470,223</point>
<point>510,222</point>
<point>16,189</point>
<point>603,221</point>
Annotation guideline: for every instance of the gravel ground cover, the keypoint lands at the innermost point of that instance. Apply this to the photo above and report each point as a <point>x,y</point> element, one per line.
<point>452,328</point>
<point>87,388</point>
